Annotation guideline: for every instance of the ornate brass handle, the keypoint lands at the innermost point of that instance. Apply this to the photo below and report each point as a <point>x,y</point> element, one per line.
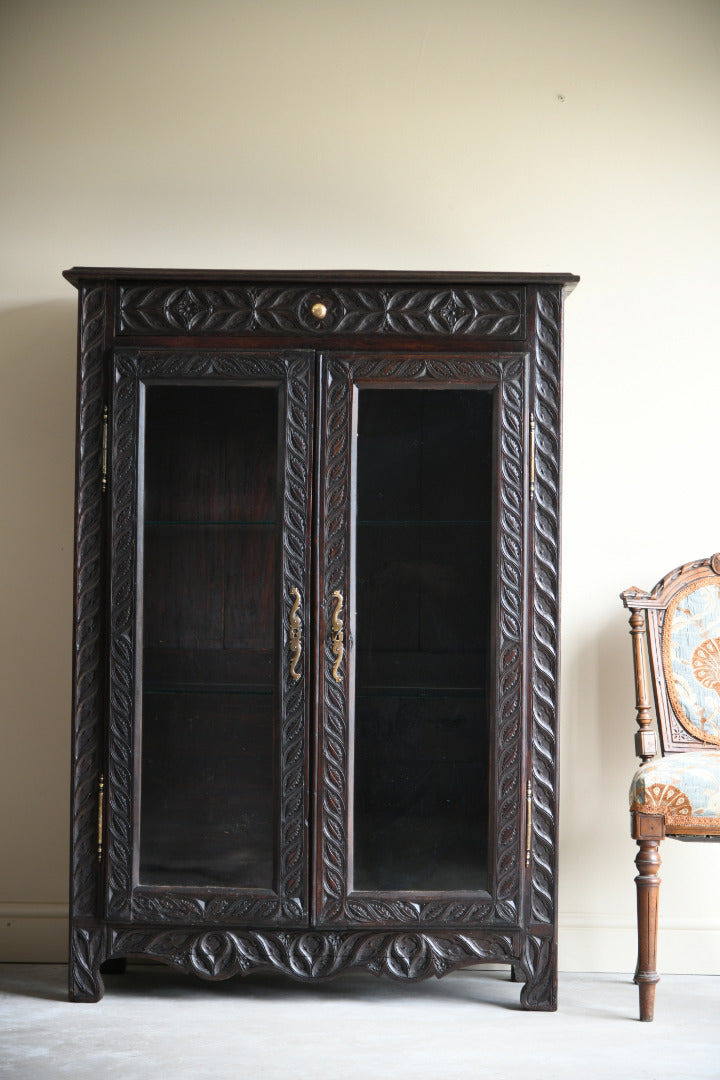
<point>295,635</point>
<point>337,635</point>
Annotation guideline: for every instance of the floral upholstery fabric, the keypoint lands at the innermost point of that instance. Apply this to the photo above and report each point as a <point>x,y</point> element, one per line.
<point>691,657</point>
<point>683,787</point>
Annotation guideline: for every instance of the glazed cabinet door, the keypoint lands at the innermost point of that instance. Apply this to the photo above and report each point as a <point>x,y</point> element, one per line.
<point>420,758</point>
<point>209,466</point>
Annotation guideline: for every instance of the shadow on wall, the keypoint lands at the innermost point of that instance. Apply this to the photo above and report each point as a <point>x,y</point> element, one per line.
<point>599,695</point>
<point>38,364</point>
<point>38,375</point>
<point>598,727</point>
<point>616,693</point>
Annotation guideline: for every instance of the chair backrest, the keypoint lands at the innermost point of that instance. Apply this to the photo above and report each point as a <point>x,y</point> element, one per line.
<point>683,634</point>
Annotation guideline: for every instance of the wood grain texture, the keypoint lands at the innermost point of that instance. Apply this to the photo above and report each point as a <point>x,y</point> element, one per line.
<point>648,830</point>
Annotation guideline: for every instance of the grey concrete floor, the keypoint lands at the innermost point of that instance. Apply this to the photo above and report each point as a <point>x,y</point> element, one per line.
<point>155,1022</point>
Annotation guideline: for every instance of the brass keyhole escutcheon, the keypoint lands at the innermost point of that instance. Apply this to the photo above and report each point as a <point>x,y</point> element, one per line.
<point>319,310</point>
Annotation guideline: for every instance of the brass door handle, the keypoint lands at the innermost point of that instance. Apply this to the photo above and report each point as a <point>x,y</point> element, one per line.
<point>295,635</point>
<point>336,635</point>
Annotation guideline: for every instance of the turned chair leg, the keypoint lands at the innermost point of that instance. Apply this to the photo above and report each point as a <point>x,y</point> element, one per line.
<point>648,887</point>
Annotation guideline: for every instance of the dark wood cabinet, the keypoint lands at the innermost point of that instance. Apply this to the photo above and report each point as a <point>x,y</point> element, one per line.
<point>316,623</point>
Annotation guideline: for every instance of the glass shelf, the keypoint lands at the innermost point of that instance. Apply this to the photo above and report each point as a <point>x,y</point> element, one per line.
<point>410,522</point>
<point>182,521</point>
<point>230,690</point>
<point>422,692</point>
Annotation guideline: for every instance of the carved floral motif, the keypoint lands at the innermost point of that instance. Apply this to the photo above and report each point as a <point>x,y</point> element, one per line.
<point>220,954</point>
<point>202,308</point>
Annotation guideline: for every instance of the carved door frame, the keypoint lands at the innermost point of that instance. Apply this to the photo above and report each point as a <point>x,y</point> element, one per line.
<point>125,898</point>
<point>342,374</point>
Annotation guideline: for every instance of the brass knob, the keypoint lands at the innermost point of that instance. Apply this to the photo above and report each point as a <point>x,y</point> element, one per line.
<point>319,310</point>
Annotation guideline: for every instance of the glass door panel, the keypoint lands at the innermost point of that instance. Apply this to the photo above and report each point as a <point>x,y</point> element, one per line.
<point>423,592</point>
<point>211,548</point>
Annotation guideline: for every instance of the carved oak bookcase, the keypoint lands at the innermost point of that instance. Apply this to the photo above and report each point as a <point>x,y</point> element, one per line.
<point>316,623</point>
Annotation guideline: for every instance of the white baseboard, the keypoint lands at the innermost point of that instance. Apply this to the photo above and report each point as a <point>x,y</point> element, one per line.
<point>32,933</point>
<point>594,942</point>
<point>36,933</point>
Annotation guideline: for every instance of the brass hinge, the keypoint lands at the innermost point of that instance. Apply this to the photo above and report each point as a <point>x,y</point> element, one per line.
<point>532,456</point>
<point>528,826</point>
<point>101,807</point>
<point>104,448</point>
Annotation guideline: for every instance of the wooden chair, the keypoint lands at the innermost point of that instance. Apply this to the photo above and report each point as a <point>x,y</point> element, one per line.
<point>674,793</point>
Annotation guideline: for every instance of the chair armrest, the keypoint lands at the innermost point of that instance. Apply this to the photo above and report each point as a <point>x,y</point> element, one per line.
<point>645,740</point>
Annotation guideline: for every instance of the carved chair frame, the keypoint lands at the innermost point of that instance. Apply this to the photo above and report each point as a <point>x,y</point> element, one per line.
<point>650,614</point>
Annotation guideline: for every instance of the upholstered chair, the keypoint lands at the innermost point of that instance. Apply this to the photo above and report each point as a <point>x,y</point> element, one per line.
<point>676,790</point>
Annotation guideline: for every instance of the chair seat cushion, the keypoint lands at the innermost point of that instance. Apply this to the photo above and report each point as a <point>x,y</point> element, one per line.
<point>683,787</point>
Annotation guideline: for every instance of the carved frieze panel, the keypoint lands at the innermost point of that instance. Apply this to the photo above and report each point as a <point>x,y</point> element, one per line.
<point>317,310</point>
<point>221,954</point>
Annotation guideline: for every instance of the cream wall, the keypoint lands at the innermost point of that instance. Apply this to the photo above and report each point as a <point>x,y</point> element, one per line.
<point>407,134</point>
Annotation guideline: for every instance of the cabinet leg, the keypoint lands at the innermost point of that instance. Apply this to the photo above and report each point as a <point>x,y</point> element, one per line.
<point>516,974</point>
<point>648,888</point>
<point>538,970</point>
<point>86,948</point>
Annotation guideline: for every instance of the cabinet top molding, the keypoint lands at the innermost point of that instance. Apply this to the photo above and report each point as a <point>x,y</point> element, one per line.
<point>374,277</point>
<point>346,306</point>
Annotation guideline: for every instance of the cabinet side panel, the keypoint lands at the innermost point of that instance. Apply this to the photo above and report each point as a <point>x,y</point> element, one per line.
<point>87,651</point>
<point>545,608</point>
